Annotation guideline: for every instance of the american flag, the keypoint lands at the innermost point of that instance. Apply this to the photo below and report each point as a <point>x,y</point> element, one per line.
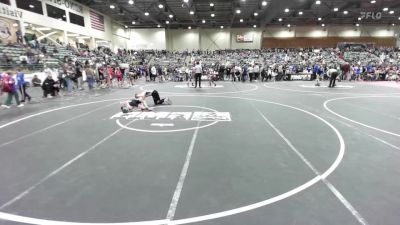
<point>96,21</point>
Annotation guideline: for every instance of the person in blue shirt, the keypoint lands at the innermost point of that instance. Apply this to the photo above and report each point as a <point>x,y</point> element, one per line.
<point>315,71</point>
<point>21,85</point>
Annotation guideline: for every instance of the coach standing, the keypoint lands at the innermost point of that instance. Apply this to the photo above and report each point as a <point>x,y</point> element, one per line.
<point>198,70</point>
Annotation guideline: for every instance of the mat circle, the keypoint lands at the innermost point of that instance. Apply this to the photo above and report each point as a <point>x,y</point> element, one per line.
<point>287,194</point>
<point>356,122</point>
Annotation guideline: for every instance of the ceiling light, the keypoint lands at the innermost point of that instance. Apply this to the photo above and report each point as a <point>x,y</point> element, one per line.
<point>300,13</point>
<point>15,24</point>
<point>318,2</point>
<point>256,14</point>
<point>189,27</point>
<point>280,19</point>
<point>287,10</point>
<point>345,12</point>
<point>288,25</point>
<point>191,12</point>
<point>238,11</point>
<point>373,2</point>
<point>391,12</point>
<point>241,20</point>
<point>319,18</point>
<point>357,24</point>
<point>359,18</point>
<point>131,2</point>
<point>323,24</point>
<point>112,6</point>
<point>43,28</point>
<point>160,6</point>
<point>203,21</point>
<point>393,24</point>
<point>167,22</point>
<point>212,4</point>
<point>212,14</point>
<point>126,26</point>
<point>399,18</point>
<point>255,26</point>
<point>146,14</point>
<point>222,27</point>
<point>171,16</point>
<point>385,9</point>
<point>31,6</point>
<point>158,25</point>
<point>336,9</point>
<point>186,1</point>
<point>133,22</point>
<point>264,3</point>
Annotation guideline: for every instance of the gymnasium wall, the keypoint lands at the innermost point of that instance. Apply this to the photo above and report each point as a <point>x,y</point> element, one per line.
<point>24,16</point>
<point>181,40</point>
<point>317,36</point>
<point>147,39</point>
<point>326,42</point>
<point>271,37</point>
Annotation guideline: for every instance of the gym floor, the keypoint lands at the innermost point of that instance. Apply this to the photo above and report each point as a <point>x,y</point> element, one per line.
<point>261,153</point>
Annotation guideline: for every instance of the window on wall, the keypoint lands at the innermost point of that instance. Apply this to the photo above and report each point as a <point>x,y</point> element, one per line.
<point>56,13</point>
<point>76,19</point>
<point>30,5</point>
<point>7,2</point>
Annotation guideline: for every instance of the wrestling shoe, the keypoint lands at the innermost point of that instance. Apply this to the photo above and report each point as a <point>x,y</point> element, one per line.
<point>168,101</point>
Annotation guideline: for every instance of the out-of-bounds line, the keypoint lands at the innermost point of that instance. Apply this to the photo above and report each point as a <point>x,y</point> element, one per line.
<point>53,125</point>
<point>182,177</point>
<point>374,137</point>
<point>356,122</point>
<point>341,198</point>
<point>55,172</point>
<point>325,92</point>
<point>255,87</point>
<point>27,220</point>
<point>56,109</point>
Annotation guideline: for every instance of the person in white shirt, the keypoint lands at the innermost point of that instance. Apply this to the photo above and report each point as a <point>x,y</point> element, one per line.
<point>153,73</point>
<point>237,72</point>
<point>251,72</point>
<point>198,70</point>
<point>256,72</point>
<point>332,73</point>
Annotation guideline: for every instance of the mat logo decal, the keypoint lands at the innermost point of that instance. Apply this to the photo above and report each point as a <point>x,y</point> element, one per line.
<point>173,116</point>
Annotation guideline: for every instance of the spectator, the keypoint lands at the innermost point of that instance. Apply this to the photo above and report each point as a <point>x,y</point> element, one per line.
<point>36,82</point>
<point>49,87</point>
<point>90,77</point>
<point>8,86</point>
<point>21,84</point>
<point>19,37</point>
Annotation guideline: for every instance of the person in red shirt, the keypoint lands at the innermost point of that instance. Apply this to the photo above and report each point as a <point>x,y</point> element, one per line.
<point>8,86</point>
<point>118,74</point>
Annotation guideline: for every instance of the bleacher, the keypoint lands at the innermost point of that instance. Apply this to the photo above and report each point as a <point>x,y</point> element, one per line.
<point>18,53</point>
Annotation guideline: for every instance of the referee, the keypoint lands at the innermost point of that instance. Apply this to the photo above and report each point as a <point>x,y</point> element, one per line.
<point>198,70</point>
<point>332,73</point>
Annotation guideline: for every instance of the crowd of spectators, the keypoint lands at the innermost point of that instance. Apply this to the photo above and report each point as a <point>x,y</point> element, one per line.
<point>103,68</point>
